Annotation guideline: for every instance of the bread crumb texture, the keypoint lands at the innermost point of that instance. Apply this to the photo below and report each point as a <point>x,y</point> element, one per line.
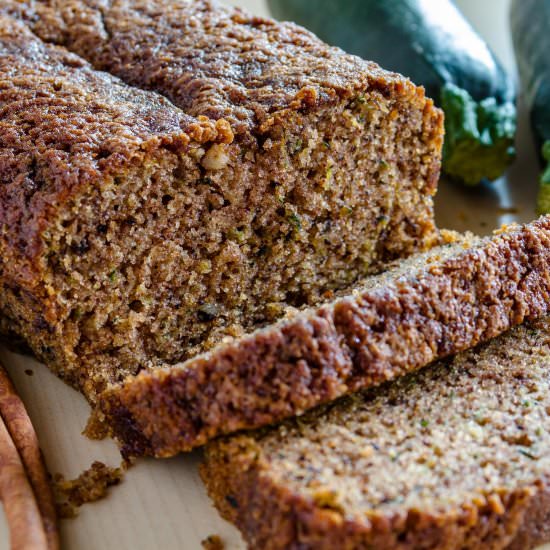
<point>91,485</point>
<point>213,542</point>
<point>461,448</point>
<point>180,173</point>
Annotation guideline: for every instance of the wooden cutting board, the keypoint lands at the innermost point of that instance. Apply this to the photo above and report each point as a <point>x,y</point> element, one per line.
<point>162,503</point>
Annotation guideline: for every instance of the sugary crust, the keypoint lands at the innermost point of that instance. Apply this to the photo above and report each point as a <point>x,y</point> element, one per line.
<point>65,126</point>
<point>454,456</point>
<point>271,516</point>
<point>359,341</point>
<point>210,59</point>
<point>535,527</point>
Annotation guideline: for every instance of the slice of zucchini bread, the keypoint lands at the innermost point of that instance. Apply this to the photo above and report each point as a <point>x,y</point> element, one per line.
<point>456,456</point>
<point>134,234</point>
<point>427,307</point>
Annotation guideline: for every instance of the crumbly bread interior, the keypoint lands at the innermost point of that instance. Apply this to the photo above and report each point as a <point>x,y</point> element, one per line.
<point>437,440</point>
<point>161,241</point>
<point>167,259</point>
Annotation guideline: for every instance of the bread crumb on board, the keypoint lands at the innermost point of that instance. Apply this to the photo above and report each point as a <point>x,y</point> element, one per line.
<point>213,542</point>
<point>91,485</point>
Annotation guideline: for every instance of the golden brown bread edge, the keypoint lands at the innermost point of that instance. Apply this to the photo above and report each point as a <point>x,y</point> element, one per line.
<point>275,517</point>
<point>207,58</point>
<point>395,326</point>
<point>482,415</point>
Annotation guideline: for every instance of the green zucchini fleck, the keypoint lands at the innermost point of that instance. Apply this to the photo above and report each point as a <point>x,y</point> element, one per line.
<point>295,220</point>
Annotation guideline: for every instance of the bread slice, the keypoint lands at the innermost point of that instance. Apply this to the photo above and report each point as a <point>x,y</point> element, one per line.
<point>135,234</point>
<point>425,308</point>
<point>455,456</point>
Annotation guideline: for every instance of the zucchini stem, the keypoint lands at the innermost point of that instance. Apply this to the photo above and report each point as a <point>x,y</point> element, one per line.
<point>479,136</point>
<point>543,197</point>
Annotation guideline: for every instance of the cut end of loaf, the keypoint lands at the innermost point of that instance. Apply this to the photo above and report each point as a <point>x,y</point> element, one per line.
<point>178,251</point>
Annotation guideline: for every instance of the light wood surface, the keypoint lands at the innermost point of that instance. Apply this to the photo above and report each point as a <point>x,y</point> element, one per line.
<point>162,504</point>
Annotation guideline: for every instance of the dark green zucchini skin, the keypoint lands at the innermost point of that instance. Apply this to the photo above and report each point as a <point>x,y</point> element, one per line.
<point>530,20</point>
<point>432,43</point>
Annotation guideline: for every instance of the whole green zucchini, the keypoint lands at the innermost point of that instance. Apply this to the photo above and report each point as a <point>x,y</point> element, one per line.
<point>531,34</point>
<point>431,42</point>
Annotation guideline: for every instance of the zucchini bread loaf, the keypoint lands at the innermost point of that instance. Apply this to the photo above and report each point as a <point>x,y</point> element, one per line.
<point>428,306</point>
<point>126,251</point>
<point>456,456</point>
<point>324,132</point>
<point>136,234</point>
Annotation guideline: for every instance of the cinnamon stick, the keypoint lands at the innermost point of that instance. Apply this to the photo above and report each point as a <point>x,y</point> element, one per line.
<point>19,427</point>
<point>22,513</point>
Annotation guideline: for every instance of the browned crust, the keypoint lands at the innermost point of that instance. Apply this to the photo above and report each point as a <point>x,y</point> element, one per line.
<point>535,528</point>
<point>272,517</point>
<point>65,127</point>
<point>356,342</point>
<point>209,59</point>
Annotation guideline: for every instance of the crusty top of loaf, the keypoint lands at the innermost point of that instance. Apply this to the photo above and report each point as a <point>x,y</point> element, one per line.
<point>64,126</point>
<point>207,58</point>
